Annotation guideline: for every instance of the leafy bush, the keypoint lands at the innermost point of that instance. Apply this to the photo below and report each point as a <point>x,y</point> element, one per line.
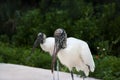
<point>28,27</point>
<point>92,21</point>
<point>18,55</point>
<point>107,68</point>
<point>4,38</point>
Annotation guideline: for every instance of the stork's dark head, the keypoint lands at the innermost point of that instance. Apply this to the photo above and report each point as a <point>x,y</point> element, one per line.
<point>60,38</point>
<point>40,40</point>
<point>60,43</point>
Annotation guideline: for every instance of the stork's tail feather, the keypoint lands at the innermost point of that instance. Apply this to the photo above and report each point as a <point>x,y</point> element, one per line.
<point>92,69</point>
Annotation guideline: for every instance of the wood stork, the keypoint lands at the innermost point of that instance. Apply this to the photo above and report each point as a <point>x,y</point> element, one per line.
<point>47,45</point>
<point>72,52</point>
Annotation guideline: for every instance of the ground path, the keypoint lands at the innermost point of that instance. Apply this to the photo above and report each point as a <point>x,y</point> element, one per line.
<point>21,72</point>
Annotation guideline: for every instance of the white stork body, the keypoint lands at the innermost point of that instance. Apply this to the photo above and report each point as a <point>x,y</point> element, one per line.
<point>77,54</point>
<point>48,45</point>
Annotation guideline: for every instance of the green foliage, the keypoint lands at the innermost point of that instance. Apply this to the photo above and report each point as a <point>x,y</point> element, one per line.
<point>54,20</point>
<point>103,48</point>
<point>88,20</point>
<point>28,27</point>
<point>107,68</point>
<point>18,55</point>
<point>86,29</point>
<point>109,27</point>
<point>4,38</point>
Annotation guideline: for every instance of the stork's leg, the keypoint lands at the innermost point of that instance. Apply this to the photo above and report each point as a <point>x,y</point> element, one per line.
<point>53,76</point>
<point>72,75</point>
<point>57,67</point>
<point>83,75</point>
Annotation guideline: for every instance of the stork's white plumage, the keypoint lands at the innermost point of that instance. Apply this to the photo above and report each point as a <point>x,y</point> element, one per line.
<point>77,54</point>
<point>72,52</point>
<point>48,45</point>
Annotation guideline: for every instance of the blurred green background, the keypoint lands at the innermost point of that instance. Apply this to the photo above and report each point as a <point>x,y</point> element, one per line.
<point>95,21</point>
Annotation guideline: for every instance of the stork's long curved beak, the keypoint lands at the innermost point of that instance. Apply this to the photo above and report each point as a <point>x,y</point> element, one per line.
<point>54,56</point>
<point>36,43</point>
